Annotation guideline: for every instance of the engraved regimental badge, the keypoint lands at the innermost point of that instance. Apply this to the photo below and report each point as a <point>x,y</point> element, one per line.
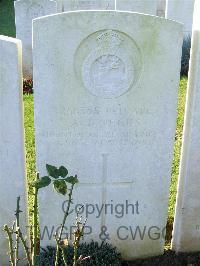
<point>110,63</point>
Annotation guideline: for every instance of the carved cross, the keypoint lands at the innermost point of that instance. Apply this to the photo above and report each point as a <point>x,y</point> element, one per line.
<point>105,183</point>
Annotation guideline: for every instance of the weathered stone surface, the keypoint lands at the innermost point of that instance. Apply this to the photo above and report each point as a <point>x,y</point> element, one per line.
<point>105,106</point>
<point>25,12</point>
<point>59,6</point>
<point>140,6</point>
<point>161,6</point>
<point>12,163</point>
<point>181,11</point>
<point>186,235</point>
<point>70,5</point>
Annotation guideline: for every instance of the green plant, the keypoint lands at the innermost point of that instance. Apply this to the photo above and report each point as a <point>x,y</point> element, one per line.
<point>60,182</point>
<point>95,254</point>
<point>58,177</point>
<point>7,18</point>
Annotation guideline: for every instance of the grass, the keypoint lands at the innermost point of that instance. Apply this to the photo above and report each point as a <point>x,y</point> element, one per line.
<point>7,18</point>
<point>30,145</point>
<point>176,159</point>
<point>177,146</point>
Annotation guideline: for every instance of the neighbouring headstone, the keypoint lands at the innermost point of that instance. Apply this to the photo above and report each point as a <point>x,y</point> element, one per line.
<point>141,6</point>
<point>161,6</point>
<point>12,162</point>
<point>59,5</point>
<point>186,233</point>
<point>181,11</point>
<point>70,5</point>
<point>106,87</point>
<point>25,12</point>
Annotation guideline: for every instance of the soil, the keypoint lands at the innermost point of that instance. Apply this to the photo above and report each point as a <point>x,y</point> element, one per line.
<point>169,258</point>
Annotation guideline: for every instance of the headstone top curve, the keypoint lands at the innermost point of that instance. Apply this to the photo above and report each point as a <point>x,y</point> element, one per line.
<point>9,39</point>
<point>111,12</point>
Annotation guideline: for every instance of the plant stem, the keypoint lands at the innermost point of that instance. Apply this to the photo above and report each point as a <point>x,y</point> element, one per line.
<point>75,255</point>
<point>78,233</point>
<point>17,214</point>
<point>35,224</point>
<point>64,257</point>
<point>58,250</point>
<point>67,212</point>
<point>57,253</point>
<point>10,240</point>
<point>28,255</point>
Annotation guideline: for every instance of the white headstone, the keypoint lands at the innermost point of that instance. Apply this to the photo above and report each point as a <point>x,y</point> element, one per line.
<point>186,234</point>
<point>141,6</point>
<point>105,107</point>
<point>161,6</point>
<point>25,12</point>
<point>12,163</point>
<point>59,5</point>
<point>70,5</point>
<point>182,11</point>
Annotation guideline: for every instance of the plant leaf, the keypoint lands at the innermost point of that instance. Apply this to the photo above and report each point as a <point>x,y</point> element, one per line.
<point>62,171</point>
<point>60,186</point>
<point>42,182</point>
<point>72,179</point>
<point>52,171</point>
